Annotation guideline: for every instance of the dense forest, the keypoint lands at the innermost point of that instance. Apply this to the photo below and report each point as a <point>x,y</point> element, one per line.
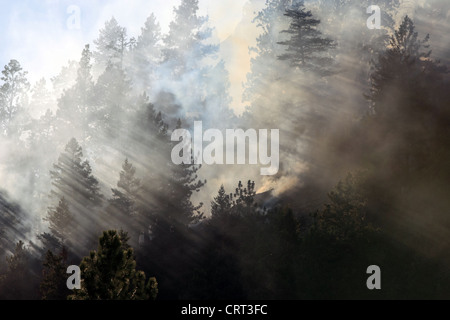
<point>364,120</point>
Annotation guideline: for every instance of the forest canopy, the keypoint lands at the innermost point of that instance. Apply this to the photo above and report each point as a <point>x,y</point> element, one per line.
<point>364,159</point>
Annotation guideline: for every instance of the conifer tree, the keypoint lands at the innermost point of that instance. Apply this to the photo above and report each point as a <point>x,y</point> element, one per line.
<point>53,285</point>
<point>184,45</point>
<point>110,273</point>
<point>179,211</point>
<point>124,210</point>
<point>147,55</point>
<point>221,204</point>
<point>125,197</point>
<point>15,85</point>
<point>241,202</point>
<point>344,218</point>
<point>19,281</point>
<point>112,87</point>
<point>112,94</point>
<point>12,226</point>
<point>307,49</point>
<point>76,105</point>
<point>111,45</point>
<point>266,69</point>
<point>65,79</point>
<point>404,64</point>
<point>61,221</point>
<point>190,53</point>
<point>72,179</point>
<point>41,98</point>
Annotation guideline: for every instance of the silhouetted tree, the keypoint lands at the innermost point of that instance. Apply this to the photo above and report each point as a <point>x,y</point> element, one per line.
<point>179,211</point>
<point>307,49</point>
<point>72,179</point>
<point>110,274</point>
<point>19,282</point>
<point>221,204</point>
<point>53,285</point>
<point>124,199</point>
<point>125,205</point>
<point>12,217</point>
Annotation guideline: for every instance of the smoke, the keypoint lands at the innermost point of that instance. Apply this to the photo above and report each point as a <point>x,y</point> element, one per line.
<point>315,114</point>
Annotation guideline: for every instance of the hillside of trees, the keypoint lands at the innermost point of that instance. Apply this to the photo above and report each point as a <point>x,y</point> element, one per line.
<point>364,119</point>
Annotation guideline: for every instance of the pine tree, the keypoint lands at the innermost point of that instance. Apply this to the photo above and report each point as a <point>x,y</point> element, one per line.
<point>111,45</point>
<point>41,98</point>
<point>147,55</point>
<point>150,35</point>
<point>12,225</point>
<point>221,204</point>
<point>150,135</point>
<point>11,94</point>
<point>43,130</point>
<point>48,243</point>
<point>72,179</point>
<point>110,273</point>
<point>190,53</point>
<point>408,88</point>
<point>184,45</point>
<point>241,202</point>
<point>112,94</point>
<point>125,200</point>
<point>61,221</point>
<point>266,69</point>
<point>112,87</point>
<point>53,285</point>
<point>344,218</point>
<point>179,211</point>
<point>269,86</point>
<point>276,84</point>
<point>76,106</point>
<point>66,78</point>
<point>307,49</point>
<point>217,100</point>
<point>19,281</point>
<point>84,82</point>
<point>123,208</point>
<point>404,64</point>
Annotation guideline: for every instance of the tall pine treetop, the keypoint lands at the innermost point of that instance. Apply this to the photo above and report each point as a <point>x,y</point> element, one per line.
<point>111,44</point>
<point>184,44</point>
<point>72,177</point>
<point>15,85</point>
<point>150,33</point>
<point>307,49</point>
<point>405,41</point>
